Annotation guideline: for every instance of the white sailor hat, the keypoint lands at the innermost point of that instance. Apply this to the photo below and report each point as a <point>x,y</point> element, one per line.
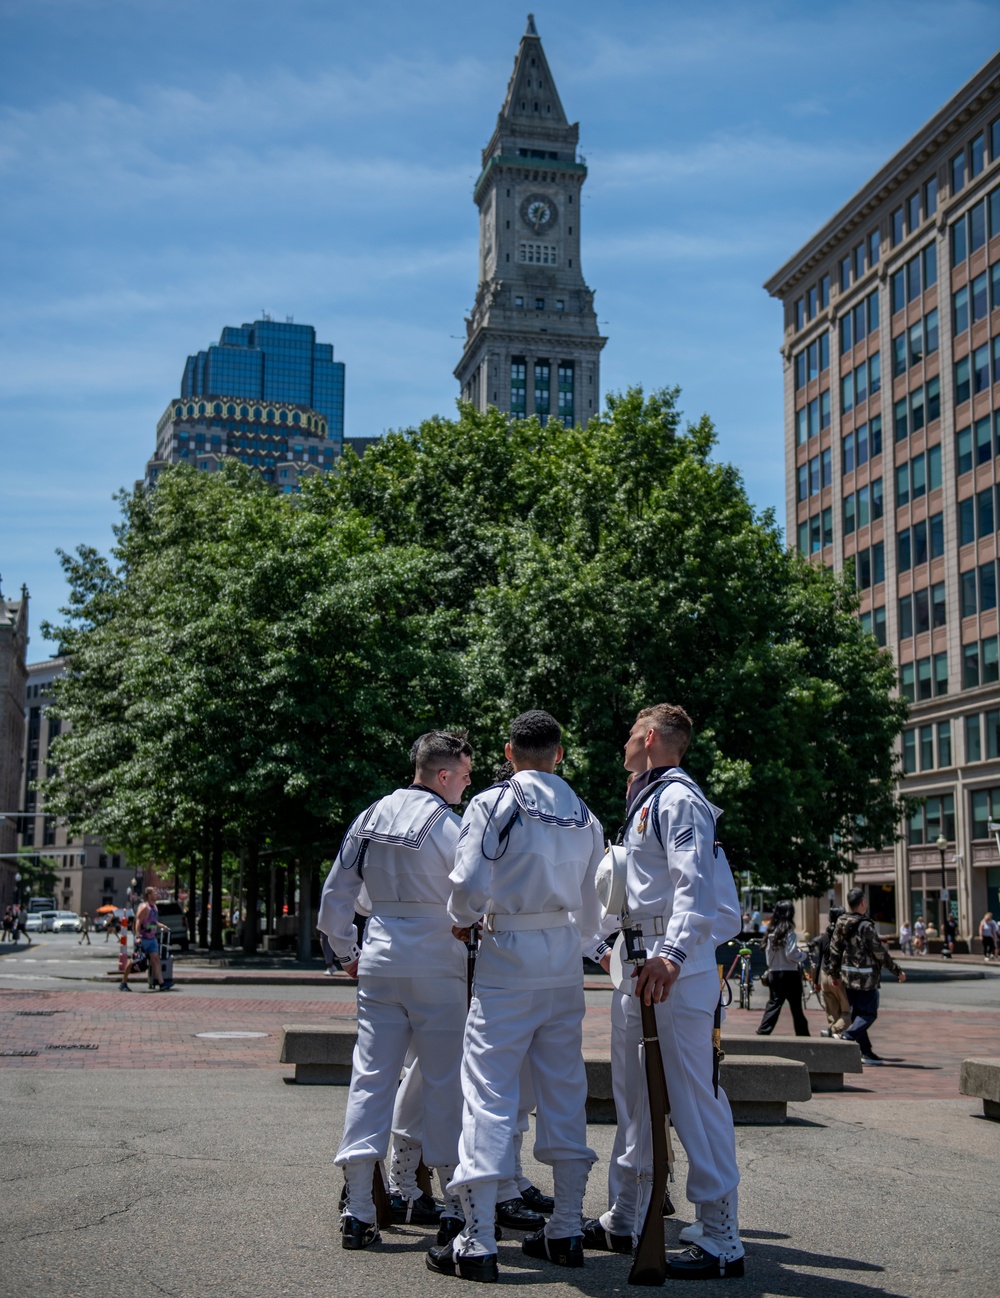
<point>610,881</point>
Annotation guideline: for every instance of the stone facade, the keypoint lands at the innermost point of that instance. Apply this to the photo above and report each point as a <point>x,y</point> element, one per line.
<point>87,875</point>
<point>532,342</point>
<point>891,356</point>
<point>13,678</point>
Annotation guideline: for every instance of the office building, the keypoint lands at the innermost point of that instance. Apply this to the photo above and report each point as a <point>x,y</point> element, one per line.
<point>892,435</point>
<point>13,679</point>
<point>532,342</point>
<point>267,394</point>
<point>86,875</point>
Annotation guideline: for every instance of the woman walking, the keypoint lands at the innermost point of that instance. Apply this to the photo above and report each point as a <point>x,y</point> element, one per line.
<point>784,972</point>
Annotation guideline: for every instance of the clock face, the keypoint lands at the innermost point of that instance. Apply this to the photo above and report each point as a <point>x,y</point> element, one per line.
<point>539,212</point>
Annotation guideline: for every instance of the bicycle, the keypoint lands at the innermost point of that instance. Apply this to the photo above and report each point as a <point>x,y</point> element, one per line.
<point>746,979</point>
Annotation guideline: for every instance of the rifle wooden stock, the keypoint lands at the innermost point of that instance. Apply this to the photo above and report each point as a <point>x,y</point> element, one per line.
<point>650,1264</point>
<point>383,1210</point>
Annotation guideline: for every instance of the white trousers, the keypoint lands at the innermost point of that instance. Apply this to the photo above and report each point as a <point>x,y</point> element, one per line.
<point>504,1028</point>
<point>392,1013</point>
<point>703,1122</point>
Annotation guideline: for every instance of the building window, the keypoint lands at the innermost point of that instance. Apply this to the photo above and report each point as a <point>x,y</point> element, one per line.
<point>909,752</point>
<point>897,227</point>
<point>538,254</point>
<point>930,197</point>
<point>542,383</point>
<point>845,274</point>
<point>958,172</point>
<point>518,384</point>
<point>566,407</point>
<point>800,312</point>
<point>824,292</point>
<point>913,212</point>
<point>873,247</point>
<point>977,155</point>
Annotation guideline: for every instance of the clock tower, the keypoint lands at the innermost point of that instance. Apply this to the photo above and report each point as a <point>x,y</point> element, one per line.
<point>532,344</point>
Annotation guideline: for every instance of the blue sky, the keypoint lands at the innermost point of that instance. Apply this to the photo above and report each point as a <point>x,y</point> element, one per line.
<point>168,167</point>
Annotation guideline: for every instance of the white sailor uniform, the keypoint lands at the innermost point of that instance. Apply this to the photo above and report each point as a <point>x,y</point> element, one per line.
<point>526,860</point>
<point>411,980</point>
<point>680,889</point>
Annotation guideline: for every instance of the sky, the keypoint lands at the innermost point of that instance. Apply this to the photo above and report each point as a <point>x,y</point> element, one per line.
<point>168,167</point>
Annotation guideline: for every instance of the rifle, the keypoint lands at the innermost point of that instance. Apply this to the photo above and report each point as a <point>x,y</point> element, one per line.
<point>650,1264</point>
<point>472,946</point>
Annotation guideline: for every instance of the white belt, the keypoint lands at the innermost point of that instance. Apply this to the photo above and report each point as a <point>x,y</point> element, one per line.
<point>495,923</point>
<point>659,928</point>
<point>403,909</point>
<point>850,969</point>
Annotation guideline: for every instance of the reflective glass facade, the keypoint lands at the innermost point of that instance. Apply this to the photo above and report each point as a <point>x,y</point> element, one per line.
<point>271,361</point>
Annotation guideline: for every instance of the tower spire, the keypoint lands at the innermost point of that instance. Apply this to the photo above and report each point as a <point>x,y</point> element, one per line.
<point>531,93</point>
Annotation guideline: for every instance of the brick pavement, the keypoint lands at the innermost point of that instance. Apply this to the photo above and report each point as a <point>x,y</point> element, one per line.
<point>923,1048</point>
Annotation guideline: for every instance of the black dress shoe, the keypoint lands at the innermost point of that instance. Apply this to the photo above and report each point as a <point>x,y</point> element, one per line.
<point>358,1234</point>
<point>595,1236</point>
<point>444,1262</point>
<point>449,1227</point>
<point>538,1202</point>
<point>695,1264</point>
<point>516,1214</point>
<point>422,1211</point>
<point>563,1252</point>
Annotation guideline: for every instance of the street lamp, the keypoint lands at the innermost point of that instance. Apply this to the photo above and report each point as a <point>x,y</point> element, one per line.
<point>17,888</point>
<point>941,844</point>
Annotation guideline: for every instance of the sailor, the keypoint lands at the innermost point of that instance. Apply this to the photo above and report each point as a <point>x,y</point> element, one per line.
<point>410,970</point>
<point>526,862</point>
<point>679,887</point>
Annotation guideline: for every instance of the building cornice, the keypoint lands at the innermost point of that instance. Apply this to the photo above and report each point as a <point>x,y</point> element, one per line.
<point>534,168</point>
<point>947,122</point>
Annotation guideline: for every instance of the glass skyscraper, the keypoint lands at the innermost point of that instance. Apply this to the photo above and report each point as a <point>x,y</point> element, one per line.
<point>267,394</point>
<point>269,361</point>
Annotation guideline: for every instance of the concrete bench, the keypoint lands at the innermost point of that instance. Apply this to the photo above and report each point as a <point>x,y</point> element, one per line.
<point>759,1089</point>
<point>321,1053</point>
<point>981,1078</point>
<point>827,1060</point>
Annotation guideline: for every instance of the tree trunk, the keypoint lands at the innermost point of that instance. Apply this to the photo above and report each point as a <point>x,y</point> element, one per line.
<point>305,911</point>
<point>206,870</point>
<point>216,933</point>
<point>251,894</point>
<point>192,895</point>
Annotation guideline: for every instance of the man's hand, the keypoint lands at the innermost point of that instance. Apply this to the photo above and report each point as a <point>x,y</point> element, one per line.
<point>656,979</point>
<point>463,934</point>
<point>835,981</point>
<point>901,977</point>
<point>351,968</point>
<point>605,962</point>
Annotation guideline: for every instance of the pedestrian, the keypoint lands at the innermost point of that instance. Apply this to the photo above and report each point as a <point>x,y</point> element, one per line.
<point>988,933</point>
<point>920,935</point>
<point>745,922</point>
<point>755,921</point>
<point>949,932</point>
<point>906,938</point>
<point>680,888</point>
<point>834,997</point>
<point>857,957</point>
<point>147,930</point>
<point>84,930</point>
<point>8,924</point>
<point>526,861</point>
<point>21,928</point>
<point>329,959</point>
<point>411,972</point>
<point>784,972</point>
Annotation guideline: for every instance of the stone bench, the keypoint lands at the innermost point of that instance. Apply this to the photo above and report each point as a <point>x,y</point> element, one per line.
<point>981,1078</point>
<point>827,1060</point>
<point>322,1053</point>
<point>759,1089</point>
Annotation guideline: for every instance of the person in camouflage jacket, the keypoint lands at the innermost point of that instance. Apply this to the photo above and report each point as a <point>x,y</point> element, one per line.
<point>857,956</point>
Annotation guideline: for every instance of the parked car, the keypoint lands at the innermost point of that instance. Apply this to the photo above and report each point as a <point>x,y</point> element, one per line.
<point>66,921</point>
<point>172,914</point>
<point>34,923</point>
<point>47,918</point>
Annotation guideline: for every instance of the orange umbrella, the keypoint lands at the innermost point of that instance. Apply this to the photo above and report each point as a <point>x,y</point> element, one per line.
<point>104,910</point>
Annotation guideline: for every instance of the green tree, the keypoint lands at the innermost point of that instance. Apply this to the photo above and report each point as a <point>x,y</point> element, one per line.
<point>594,571</point>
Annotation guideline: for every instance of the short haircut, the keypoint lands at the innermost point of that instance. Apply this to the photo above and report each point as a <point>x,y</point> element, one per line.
<point>535,735</point>
<point>439,748</point>
<point>835,913</point>
<point>855,897</point>
<point>671,723</point>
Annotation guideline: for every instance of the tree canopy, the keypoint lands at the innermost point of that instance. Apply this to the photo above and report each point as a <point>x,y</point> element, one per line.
<point>262,661</point>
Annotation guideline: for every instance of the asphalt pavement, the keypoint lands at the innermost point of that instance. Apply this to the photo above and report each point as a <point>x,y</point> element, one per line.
<point>192,1167</point>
